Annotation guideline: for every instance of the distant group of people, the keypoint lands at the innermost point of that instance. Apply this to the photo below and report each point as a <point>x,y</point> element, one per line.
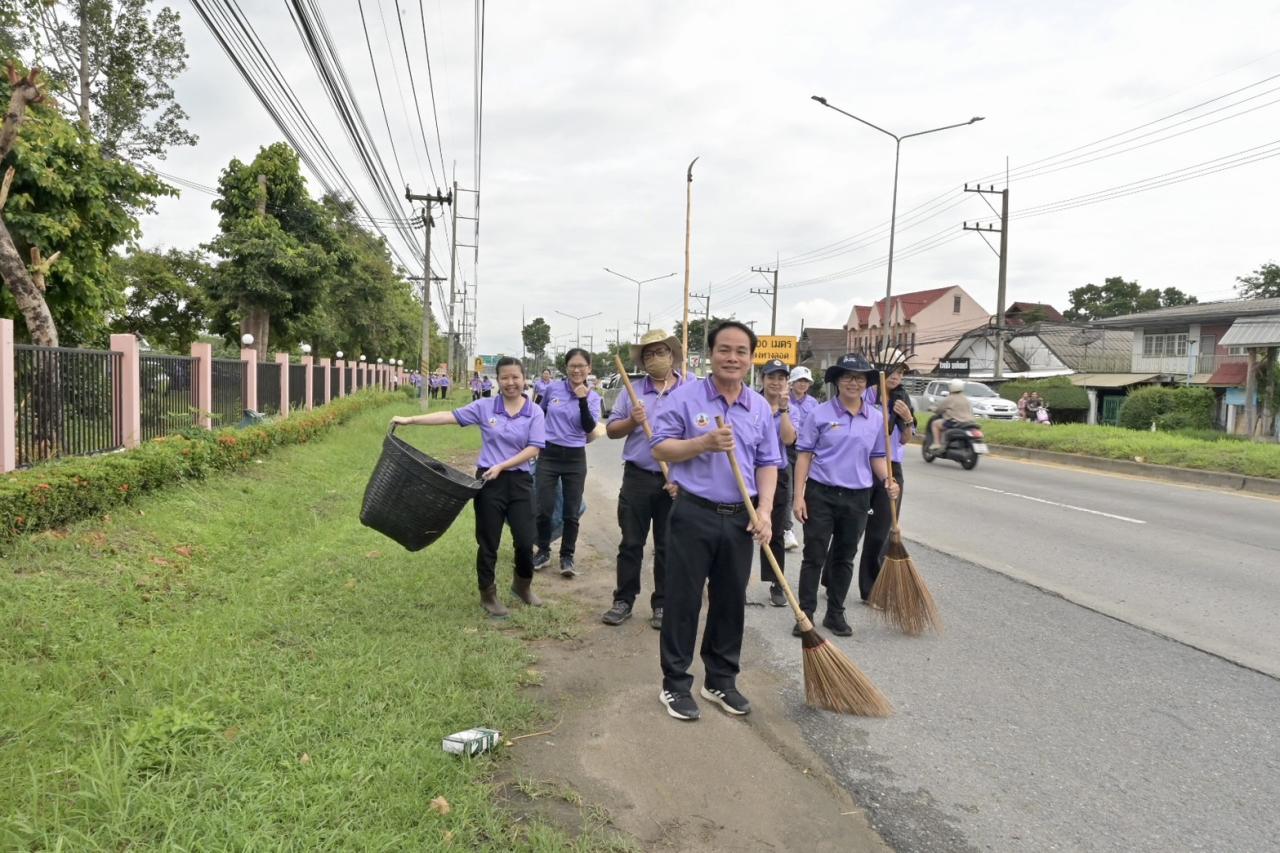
<point>1031,407</point>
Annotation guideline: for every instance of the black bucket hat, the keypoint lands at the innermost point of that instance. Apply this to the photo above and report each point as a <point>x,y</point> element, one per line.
<point>775,365</point>
<point>852,363</point>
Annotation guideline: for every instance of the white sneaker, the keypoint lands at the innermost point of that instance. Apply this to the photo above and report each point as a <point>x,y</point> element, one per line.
<point>789,541</point>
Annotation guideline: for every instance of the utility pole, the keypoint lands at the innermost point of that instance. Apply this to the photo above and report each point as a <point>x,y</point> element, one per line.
<point>773,321</point>
<point>578,320</point>
<point>453,292</point>
<point>1003,255</point>
<point>464,333</point>
<point>706,324</point>
<point>424,362</point>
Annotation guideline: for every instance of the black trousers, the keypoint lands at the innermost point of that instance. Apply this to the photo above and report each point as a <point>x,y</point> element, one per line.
<point>876,540</point>
<point>837,518</point>
<point>791,466</point>
<point>714,551</point>
<point>642,503</point>
<point>568,465</point>
<point>508,499</point>
<point>778,518</point>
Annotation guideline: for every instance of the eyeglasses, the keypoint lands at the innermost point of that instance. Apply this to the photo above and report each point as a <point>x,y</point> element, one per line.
<point>656,352</point>
<point>577,366</point>
<point>852,377</point>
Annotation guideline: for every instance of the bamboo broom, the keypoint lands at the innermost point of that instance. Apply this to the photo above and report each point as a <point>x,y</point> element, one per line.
<point>900,594</point>
<point>831,681</point>
<point>635,400</point>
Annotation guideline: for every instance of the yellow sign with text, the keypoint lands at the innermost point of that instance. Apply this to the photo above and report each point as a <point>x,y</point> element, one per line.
<point>769,347</point>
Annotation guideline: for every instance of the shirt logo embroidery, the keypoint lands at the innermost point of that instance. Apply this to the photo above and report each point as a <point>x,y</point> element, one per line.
<point>493,420</point>
<point>701,420</point>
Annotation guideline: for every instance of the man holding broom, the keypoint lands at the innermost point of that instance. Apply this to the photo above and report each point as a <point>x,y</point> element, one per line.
<point>644,500</point>
<point>709,520</point>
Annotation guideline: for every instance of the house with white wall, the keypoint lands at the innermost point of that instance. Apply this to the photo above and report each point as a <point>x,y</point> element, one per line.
<point>925,323</point>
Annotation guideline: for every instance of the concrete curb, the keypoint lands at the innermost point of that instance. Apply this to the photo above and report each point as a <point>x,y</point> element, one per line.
<point>1170,473</point>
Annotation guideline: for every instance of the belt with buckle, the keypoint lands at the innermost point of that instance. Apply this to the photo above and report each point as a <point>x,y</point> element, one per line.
<point>634,467</point>
<point>721,509</point>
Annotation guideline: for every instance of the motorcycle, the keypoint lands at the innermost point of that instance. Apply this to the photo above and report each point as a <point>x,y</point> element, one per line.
<point>963,443</point>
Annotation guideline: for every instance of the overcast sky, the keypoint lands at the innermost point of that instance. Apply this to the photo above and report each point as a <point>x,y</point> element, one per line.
<point>593,110</point>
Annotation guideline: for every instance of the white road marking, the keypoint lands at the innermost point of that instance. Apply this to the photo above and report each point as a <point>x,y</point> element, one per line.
<point>1064,506</point>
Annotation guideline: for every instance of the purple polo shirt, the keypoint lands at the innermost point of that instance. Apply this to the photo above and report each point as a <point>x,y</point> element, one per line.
<point>777,425</point>
<point>564,417</point>
<point>690,412</point>
<point>900,439</point>
<point>842,444</point>
<point>475,384</point>
<point>540,387</point>
<point>637,448</point>
<point>501,435</point>
<point>800,411</point>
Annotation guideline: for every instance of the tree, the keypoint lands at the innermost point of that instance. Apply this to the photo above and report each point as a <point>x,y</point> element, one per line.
<point>70,202</point>
<point>165,297</point>
<point>536,336</point>
<point>1117,297</point>
<point>112,63</point>
<point>1263,284</point>
<point>696,330</point>
<point>274,242</point>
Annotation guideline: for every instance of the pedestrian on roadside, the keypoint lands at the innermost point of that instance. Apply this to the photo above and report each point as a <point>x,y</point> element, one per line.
<point>840,455</point>
<point>444,386</point>
<point>776,394</point>
<point>486,386</point>
<point>540,387</point>
<point>875,543</point>
<point>801,405</point>
<point>512,432</point>
<point>709,521</point>
<point>476,386</point>
<point>644,501</point>
<point>1022,405</point>
<point>572,411</point>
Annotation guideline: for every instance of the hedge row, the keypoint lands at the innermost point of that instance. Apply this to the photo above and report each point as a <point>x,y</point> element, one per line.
<point>1168,408</point>
<point>1058,393</point>
<point>54,494</point>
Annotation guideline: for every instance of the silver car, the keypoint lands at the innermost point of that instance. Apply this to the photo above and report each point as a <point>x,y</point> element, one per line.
<point>985,402</point>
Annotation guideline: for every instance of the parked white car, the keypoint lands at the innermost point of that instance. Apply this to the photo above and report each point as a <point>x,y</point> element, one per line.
<point>986,403</point>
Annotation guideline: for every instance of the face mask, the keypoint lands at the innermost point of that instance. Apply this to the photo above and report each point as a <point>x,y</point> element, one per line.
<point>658,366</point>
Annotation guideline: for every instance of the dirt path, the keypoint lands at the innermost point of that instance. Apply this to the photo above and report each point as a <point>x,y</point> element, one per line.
<point>617,759</point>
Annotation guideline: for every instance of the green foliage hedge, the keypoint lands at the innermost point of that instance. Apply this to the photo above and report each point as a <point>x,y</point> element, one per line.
<point>1169,408</point>
<point>1057,392</point>
<point>54,494</point>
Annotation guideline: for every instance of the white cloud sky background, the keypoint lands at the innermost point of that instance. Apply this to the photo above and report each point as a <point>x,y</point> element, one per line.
<point>593,110</point>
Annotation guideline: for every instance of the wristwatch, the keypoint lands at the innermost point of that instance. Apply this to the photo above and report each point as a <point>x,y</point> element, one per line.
<point>783,411</point>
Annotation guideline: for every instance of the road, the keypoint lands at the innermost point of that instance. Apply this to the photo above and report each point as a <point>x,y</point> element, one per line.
<point>1067,705</point>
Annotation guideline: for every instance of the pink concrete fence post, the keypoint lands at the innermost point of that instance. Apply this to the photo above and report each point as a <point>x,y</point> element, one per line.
<point>130,402</point>
<point>204,383</point>
<point>309,384</point>
<point>249,356</point>
<point>328,385</point>
<point>282,360</point>
<point>341,366</point>
<point>8,401</point>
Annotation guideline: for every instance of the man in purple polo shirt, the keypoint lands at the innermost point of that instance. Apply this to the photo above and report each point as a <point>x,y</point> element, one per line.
<point>709,520</point>
<point>840,454</point>
<point>644,500</point>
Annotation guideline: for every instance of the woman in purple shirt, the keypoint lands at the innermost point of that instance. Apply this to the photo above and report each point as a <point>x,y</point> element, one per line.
<point>540,387</point>
<point>775,374</point>
<point>572,411</point>
<point>876,540</point>
<point>840,455</point>
<point>512,432</point>
<point>476,386</point>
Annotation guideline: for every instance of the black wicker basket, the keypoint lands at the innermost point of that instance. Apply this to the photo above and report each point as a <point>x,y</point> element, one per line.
<point>411,497</point>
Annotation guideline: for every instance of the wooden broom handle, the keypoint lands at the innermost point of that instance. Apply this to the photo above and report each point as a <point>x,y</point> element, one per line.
<point>631,392</point>
<point>805,624</point>
<point>888,449</point>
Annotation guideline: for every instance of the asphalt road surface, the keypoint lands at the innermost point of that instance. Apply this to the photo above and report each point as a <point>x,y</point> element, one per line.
<point>1068,704</point>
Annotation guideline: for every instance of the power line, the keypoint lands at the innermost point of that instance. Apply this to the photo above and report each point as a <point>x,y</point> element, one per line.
<point>377,82</point>
<point>413,87</point>
<point>431,84</point>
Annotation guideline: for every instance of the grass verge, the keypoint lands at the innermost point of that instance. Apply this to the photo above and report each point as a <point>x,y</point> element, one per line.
<point>1159,448</point>
<point>238,664</point>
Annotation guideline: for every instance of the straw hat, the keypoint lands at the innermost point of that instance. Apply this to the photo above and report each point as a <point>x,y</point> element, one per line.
<point>657,336</point>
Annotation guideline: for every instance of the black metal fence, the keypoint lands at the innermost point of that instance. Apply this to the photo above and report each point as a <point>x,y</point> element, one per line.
<point>66,402</point>
<point>297,387</point>
<point>229,377</point>
<point>170,393</point>
<point>335,377</point>
<point>268,388</point>
<point>317,385</point>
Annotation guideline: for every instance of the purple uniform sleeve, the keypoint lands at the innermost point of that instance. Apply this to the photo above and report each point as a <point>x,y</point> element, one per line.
<point>621,407</point>
<point>807,438</point>
<point>468,415</point>
<point>537,428</point>
<point>878,449</point>
<point>669,424</point>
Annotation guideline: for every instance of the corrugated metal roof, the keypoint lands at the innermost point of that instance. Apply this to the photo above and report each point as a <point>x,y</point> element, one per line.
<point>1253,332</point>
<point>1112,380</point>
<point>1225,309</point>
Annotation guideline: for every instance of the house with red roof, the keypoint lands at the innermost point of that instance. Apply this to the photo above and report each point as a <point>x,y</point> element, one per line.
<point>925,324</point>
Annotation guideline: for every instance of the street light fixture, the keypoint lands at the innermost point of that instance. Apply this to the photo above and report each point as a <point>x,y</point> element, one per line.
<point>338,355</point>
<point>246,340</point>
<point>578,320</point>
<point>638,283</point>
<point>306,349</point>
<point>893,215</point>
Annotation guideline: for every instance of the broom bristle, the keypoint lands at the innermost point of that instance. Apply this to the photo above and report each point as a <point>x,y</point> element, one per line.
<point>834,683</point>
<point>900,593</point>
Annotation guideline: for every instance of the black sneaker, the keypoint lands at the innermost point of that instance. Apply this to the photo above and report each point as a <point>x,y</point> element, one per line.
<point>729,699</point>
<point>776,598</point>
<point>617,614</point>
<point>567,569</point>
<point>680,705</point>
<point>795,629</point>
<point>655,621</point>
<point>835,621</point>
<point>540,560</point>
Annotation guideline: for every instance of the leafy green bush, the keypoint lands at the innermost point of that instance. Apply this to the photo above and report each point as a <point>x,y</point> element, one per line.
<point>1065,400</point>
<point>58,493</point>
<point>1169,408</point>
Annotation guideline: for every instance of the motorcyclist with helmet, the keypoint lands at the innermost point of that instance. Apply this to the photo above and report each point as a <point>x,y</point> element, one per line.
<point>952,410</point>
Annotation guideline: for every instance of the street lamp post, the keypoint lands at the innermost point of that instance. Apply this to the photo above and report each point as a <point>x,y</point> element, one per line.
<point>638,283</point>
<point>578,320</point>
<point>893,214</point>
